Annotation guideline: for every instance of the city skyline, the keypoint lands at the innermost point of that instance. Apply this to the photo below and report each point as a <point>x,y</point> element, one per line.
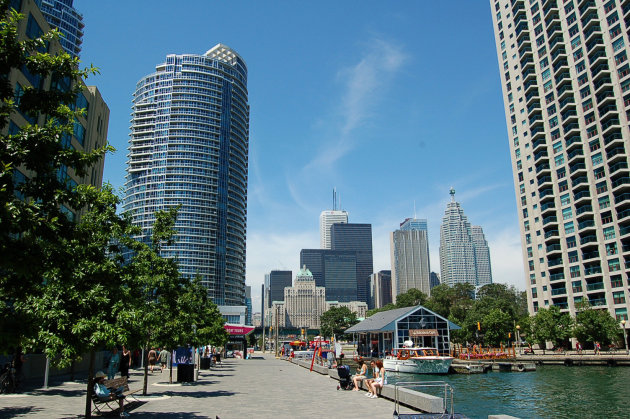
<point>388,118</point>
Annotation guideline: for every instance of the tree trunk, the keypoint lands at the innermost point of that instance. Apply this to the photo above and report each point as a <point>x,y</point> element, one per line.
<point>146,373</point>
<point>90,385</point>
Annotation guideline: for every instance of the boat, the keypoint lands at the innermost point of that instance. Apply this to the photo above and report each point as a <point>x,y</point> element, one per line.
<point>417,360</point>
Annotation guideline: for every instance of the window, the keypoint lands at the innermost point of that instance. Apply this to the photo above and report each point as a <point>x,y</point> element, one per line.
<point>567,213</point>
<point>573,257</point>
<point>599,173</point>
<point>609,6</point>
<point>547,86</point>
<point>571,242</point>
<point>585,92</point>
<point>596,159</point>
<point>559,160</point>
<point>528,238</point>
<point>551,110</point>
<point>582,79</point>
<point>604,202</point>
<point>607,218</point>
<point>591,132</point>
<point>573,30</point>
<point>611,249</point>
<point>575,42</point>
<point>609,233</point>
<point>530,253</point>
<point>571,19</point>
<point>553,122</point>
<point>568,227</point>
<point>618,44</point>
<point>577,286</point>
<point>612,18</point>
<point>546,74</point>
<point>579,67</point>
<point>621,57</point>
<point>565,199</point>
<point>544,63</point>
<point>616,281</point>
<point>601,187</point>
<point>594,145</point>
<point>613,265</point>
<point>563,186</point>
<point>32,28</point>
<point>574,271</point>
<point>615,31</point>
<point>561,173</point>
<point>578,54</point>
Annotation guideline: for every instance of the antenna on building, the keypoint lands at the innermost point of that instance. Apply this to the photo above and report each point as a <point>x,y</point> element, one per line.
<point>452,193</point>
<point>334,199</point>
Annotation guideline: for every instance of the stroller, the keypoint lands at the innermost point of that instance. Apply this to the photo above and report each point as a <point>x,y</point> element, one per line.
<point>344,378</point>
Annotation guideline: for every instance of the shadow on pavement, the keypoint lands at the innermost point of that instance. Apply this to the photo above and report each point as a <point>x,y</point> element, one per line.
<point>199,394</point>
<point>9,412</point>
<point>169,415</point>
<point>59,392</point>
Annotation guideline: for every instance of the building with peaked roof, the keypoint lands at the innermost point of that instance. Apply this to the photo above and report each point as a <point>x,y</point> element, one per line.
<point>386,330</point>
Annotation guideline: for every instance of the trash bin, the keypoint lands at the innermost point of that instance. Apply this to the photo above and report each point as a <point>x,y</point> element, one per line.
<point>185,373</point>
<point>205,363</point>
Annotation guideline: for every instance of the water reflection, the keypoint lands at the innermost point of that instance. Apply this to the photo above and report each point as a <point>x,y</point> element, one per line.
<point>550,392</point>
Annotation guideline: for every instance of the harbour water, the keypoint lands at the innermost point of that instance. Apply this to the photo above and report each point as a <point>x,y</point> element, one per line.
<point>549,392</point>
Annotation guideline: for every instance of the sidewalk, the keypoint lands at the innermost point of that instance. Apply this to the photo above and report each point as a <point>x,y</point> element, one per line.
<point>262,387</point>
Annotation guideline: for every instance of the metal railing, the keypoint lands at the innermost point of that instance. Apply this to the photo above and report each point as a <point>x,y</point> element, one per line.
<point>447,397</point>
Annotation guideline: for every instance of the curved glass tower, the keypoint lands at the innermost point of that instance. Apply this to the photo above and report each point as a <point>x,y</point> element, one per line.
<point>189,146</point>
<point>61,15</point>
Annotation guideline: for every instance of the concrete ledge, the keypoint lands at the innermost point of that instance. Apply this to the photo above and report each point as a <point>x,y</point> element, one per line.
<point>501,417</point>
<point>407,397</point>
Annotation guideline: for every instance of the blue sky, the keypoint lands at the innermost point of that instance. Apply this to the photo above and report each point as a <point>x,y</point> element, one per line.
<point>390,102</point>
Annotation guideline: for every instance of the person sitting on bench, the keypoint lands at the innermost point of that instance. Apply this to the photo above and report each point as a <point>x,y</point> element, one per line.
<point>105,394</point>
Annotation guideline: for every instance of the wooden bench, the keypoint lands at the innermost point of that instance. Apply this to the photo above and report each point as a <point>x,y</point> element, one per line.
<point>112,385</point>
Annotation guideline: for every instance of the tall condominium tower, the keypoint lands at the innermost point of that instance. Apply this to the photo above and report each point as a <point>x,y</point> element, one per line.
<point>62,16</point>
<point>356,238</point>
<point>409,249</point>
<point>327,219</point>
<point>458,263</point>
<point>566,87</point>
<point>189,146</point>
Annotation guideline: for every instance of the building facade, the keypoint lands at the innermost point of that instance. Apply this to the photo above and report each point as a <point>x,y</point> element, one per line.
<point>60,14</point>
<point>381,288</point>
<point>304,303</point>
<point>434,279</point>
<point>409,250</point>
<point>278,281</point>
<point>189,147</point>
<point>326,220</point>
<point>356,238</point>
<point>458,263</point>
<point>566,88</point>
<point>357,307</point>
<point>336,270</point>
<point>90,129</point>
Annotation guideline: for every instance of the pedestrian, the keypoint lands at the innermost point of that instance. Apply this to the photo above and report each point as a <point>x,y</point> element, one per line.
<point>125,362</point>
<point>152,356</point>
<point>598,348</point>
<point>104,394</point>
<point>578,347</point>
<point>163,358</point>
<point>113,364</point>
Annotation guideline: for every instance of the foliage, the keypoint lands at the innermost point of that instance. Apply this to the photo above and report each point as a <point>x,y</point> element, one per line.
<point>336,320</point>
<point>596,326</point>
<point>387,307</point>
<point>497,324</point>
<point>36,235</point>
<point>412,297</point>
<point>550,325</point>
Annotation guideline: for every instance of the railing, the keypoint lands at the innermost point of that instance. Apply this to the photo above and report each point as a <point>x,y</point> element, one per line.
<point>444,388</point>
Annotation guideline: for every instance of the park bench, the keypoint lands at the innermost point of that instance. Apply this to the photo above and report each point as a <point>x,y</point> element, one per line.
<point>113,384</point>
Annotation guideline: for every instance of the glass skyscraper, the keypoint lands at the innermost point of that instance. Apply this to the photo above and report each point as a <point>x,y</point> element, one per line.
<point>460,245</point>
<point>566,89</point>
<point>61,15</point>
<point>409,247</point>
<point>189,146</point>
<point>357,238</point>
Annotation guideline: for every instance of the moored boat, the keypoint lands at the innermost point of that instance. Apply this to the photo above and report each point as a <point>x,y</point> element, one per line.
<point>417,360</point>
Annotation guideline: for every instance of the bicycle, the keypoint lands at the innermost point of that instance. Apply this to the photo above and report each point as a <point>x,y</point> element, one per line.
<point>8,379</point>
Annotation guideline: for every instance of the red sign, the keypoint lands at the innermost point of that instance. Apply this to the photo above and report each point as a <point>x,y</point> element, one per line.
<point>233,329</point>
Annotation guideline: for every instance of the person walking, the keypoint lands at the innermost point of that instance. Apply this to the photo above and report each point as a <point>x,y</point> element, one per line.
<point>113,365</point>
<point>125,362</point>
<point>163,358</point>
<point>152,358</point>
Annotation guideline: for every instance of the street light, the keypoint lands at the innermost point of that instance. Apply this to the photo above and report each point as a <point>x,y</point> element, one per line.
<point>518,338</point>
<point>625,339</point>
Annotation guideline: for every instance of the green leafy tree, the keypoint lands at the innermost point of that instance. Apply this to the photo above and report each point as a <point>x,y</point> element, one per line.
<point>550,325</point>
<point>497,324</point>
<point>596,326</point>
<point>336,320</point>
<point>386,307</point>
<point>34,227</point>
<point>412,297</point>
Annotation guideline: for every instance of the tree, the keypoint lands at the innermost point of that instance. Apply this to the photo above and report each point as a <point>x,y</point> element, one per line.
<point>550,325</point>
<point>596,326</point>
<point>34,226</point>
<point>336,320</point>
<point>497,325</point>
<point>412,297</point>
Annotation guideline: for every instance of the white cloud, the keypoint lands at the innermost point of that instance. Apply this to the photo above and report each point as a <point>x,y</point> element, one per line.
<point>506,257</point>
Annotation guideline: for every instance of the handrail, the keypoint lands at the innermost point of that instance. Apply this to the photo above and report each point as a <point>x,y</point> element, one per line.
<point>448,394</point>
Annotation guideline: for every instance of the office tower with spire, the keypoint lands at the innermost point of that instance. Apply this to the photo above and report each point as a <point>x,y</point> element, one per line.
<point>459,247</point>
<point>61,15</point>
<point>566,88</point>
<point>327,219</point>
<point>409,250</point>
<point>188,147</point>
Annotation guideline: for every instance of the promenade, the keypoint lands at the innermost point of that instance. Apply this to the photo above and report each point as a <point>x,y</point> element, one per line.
<point>262,387</point>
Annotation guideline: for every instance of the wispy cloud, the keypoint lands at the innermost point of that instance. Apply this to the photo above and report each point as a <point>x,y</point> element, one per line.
<point>363,85</point>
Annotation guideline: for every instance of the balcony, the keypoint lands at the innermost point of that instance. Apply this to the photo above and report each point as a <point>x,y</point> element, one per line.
<point>545,192</point>
<point>625,180</point>
<point>558,291</point>
<point>590,255</point>
<point>575,139</point>
<point>592,270</point>
<point>553,248</point>
<point>619,150</point>
<point>617,166</point>
<point>595,286</point>
<point>621,198</point>
<point>552,233</point>
<point>623,214</point>
<point>542,167</point>
<point>613,136</point>
<point>575,153</point>
<point>556,277</point>
<point>571,127</point>
<point>586,224</point>
<point>540,154</point>
<point>550,219</point>
<point>581,195</point>
<point>547,206</point>
<point>576,167</point>
<point>544,179</point>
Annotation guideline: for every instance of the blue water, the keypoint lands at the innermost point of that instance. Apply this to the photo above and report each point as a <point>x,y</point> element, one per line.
<point>549,392</point>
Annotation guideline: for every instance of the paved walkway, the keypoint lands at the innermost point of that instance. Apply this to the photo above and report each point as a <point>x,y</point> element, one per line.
<point>262,387</point>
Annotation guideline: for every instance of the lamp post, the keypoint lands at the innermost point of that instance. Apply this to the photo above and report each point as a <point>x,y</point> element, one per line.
<point>518,338</point>
<point>625,339</point>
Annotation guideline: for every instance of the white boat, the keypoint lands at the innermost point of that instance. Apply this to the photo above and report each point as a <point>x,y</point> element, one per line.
<point>417,361</point>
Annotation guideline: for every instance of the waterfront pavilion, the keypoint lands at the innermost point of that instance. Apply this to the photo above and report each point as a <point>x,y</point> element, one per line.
<point>380,333</point>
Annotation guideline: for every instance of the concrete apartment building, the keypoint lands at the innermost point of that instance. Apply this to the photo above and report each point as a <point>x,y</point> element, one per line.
<point>409,252</point>
<point>566,87</point>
